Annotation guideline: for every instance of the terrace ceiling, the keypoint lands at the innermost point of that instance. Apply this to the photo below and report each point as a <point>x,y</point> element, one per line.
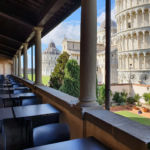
<point>19,17</point>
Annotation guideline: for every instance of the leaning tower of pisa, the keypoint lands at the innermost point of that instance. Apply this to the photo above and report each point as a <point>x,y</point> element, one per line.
<point>133,39</point>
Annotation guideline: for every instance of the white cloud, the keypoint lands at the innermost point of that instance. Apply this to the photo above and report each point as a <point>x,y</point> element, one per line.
<point>101,17</point>
<point>70,30</point>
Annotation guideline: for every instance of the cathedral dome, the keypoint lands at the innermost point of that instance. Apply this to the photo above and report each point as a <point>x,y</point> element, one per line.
<point>52,49</point>
<point>52,45</point>
<point>113,25</point>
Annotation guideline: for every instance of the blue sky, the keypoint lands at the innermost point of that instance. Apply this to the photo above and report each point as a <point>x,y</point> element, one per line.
<point>70,27</point>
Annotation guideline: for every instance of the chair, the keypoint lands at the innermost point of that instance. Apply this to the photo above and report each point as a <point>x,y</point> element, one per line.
<point>50,133</point>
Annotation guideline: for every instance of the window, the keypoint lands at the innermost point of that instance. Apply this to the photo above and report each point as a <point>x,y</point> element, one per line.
<point>129,25</point>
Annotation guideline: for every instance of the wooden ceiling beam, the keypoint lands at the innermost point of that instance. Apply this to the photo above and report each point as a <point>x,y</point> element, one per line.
<point>7,47</point>
<point>15,19</point>
<point>6,53</point>
<point>50,11</point>
<point>11,39</point>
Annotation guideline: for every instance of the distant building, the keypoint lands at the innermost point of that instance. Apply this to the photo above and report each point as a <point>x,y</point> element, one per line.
<point>49,57</point>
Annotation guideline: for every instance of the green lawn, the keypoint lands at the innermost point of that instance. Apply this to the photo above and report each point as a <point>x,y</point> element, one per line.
<point>135,117</point>
<point>45,79</point>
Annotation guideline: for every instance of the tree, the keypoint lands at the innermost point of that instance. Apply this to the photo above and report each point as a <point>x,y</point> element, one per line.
<point>101,95</point>
<point>57,75</point>
<point>71,84</point>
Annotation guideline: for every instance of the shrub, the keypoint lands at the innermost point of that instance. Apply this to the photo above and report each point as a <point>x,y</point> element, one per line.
<point>147,97</point>
<point>71,83</point>
<point>57,75</point>
<point>101,95</point>
<point>120,97</point>
<point>130,100</point>
<point>137,99</point>
<point>124,96</point>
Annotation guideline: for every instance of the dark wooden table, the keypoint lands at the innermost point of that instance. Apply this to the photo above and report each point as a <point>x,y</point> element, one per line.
<point>4,96</point>
<point>22,95</point>
<point>5,88</point>
<point>6,113</point>
<point>77,144</point>
<point>19,88</point>
<point>34,110</point>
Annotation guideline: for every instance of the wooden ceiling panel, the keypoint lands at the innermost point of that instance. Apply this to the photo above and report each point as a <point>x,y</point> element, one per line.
<point>19,17</point>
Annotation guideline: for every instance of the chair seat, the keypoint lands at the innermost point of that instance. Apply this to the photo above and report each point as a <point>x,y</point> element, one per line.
<point>51,133</point>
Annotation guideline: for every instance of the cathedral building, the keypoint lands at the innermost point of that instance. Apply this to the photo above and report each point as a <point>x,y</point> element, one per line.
<point>49,57</point>
<point>133,38</point>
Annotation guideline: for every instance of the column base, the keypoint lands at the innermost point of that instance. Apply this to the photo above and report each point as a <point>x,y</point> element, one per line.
<point>39,84</point>
<point>88,104</point>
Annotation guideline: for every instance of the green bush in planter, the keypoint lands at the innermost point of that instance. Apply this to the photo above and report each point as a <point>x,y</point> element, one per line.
<point>147,97</point>
<point>137,99</point>
<point>130,100</point>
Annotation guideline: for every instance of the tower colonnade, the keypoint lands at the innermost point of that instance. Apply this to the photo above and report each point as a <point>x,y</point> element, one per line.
<point>133,18</point>
<point>122,5</point>
<point>133,36</point>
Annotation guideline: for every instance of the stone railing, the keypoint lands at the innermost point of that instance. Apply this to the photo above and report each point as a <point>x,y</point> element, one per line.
<point>117,132</point>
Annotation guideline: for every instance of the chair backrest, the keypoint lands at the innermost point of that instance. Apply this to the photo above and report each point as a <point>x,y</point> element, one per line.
<point>17,134</point>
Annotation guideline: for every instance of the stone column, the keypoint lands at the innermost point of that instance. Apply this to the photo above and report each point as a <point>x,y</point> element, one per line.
<point>149,15</point>
<point>138,41</point>
<point>144,41</point>
<point>133,61</point>
<point>137,19</point>
<point>132,40</point>
<point>143,22</point>
<point>127,62</point>
<point>25,60</point>
<point>19,63</point>
<point>126,22</point>
<point>88,53</point>
<point>138,55</point>
<point>16,65</point>
<point>38,56</point>
<point>144,60</point>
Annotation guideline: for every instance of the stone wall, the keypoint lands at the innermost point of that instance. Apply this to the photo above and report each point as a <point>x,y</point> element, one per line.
<point>131,89</point>
<point>5,66</point>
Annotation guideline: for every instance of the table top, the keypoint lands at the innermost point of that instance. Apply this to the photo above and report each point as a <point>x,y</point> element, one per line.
<point>6,85</point>
<point>4,89</point>
<point>6,113</point>
<point>34,110</point>
<point>77,144</point>
<point>19,88</point>
<point>22,95</point>
<point>4,96</point>
<point>15,88</point>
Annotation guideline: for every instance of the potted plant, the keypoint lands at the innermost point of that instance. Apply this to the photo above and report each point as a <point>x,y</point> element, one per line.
<point>137,99</point>
<point>145,109</point>
<point>136,108</point>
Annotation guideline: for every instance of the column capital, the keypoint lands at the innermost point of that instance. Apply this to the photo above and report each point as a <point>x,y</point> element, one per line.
<point>25,45</point>
<point>38,29</point>
<point>19,51</point>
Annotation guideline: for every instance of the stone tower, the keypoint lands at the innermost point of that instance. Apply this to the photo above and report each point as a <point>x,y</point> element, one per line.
<point>133,38</point>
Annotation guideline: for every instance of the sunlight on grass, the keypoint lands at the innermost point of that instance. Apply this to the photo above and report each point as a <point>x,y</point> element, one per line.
<point>134,117</point>
<point>45,79</point>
